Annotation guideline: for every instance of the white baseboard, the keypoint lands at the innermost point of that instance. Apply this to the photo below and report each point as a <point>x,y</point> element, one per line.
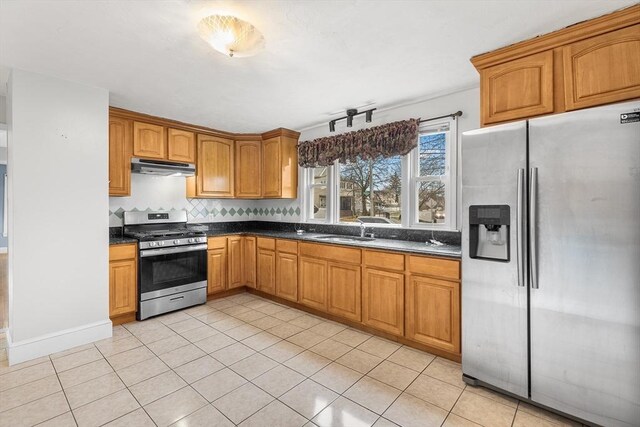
<point>44,345</point>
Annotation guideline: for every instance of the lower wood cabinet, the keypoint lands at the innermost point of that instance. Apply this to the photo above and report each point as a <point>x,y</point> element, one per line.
<point>287,269</point>
<point>249,261</point>
<point>266,271</point>
<point>234,261</point>
<point>123,277</point>
<point>312,289</point>
<point>383,300</point>
<point>433,312</point>
<point>216,264</point>
<point>344,286</point>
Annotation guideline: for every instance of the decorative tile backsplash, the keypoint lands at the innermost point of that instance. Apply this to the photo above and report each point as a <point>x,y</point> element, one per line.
<point>151,193</point>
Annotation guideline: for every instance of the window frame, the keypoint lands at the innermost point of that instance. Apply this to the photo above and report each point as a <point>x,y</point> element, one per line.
<point>409,182</point>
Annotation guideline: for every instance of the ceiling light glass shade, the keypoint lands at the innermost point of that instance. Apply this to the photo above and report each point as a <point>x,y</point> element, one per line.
<point>230,35</point>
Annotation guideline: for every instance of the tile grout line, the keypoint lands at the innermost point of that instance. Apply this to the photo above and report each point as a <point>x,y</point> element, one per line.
<point>63,393</point>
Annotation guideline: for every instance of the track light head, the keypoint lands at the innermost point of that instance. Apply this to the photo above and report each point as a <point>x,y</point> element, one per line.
<point>332,126</point>
<point>368,116</point>
<point>349,121</point>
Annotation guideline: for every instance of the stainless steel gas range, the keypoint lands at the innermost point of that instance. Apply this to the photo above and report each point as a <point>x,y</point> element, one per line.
<point>172,261</point>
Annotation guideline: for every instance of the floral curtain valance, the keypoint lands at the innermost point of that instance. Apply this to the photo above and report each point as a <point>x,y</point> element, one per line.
<point>391,139</point>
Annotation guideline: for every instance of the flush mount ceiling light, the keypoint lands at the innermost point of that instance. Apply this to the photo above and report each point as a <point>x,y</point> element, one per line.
<point>230,35</point>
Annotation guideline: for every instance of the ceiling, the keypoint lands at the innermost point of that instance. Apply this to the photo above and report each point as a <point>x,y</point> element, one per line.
<point>321,57</point>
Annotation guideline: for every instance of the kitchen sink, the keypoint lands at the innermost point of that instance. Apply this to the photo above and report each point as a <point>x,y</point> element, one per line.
<point>343,239</point>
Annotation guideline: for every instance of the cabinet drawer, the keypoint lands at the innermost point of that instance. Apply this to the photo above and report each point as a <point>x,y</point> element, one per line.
<point>384,260</point>
<point>288,246</point>
<point>216,242</point>
<point>266,243</point>
<point>435,267</point>
<point>120,252</point>
<point>332,253</point>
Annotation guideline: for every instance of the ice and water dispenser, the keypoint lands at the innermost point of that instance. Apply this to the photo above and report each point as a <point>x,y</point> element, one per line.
<point>489,232</point>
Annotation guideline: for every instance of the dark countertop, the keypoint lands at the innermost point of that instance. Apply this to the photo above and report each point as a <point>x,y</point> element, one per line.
<point>450,251</point>
<point>121,240</point>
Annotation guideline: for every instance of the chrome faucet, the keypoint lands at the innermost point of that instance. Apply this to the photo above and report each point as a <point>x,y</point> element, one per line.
<point>363,229</point>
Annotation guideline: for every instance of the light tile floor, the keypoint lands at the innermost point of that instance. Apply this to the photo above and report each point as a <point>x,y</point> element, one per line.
<point>244,360</point>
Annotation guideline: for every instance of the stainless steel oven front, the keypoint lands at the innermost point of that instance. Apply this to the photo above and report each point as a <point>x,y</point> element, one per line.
<point>171,278</point>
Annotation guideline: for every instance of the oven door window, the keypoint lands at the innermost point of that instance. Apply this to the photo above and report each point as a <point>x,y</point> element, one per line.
<point>167,271</point>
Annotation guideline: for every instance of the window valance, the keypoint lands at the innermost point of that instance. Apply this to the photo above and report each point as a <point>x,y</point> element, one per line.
<point>391,139</point>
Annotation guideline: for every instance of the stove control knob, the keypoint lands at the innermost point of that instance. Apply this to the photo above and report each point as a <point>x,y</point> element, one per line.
<point>152,244</point>
<point>192,240</point>
<point>176,241</point>
<point>161,243</point>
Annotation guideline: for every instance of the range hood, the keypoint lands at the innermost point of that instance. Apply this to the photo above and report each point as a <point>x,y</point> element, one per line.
<point>162,168</point>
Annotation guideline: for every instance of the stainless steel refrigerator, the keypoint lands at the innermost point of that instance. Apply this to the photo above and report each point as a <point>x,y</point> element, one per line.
<point>551,261</point>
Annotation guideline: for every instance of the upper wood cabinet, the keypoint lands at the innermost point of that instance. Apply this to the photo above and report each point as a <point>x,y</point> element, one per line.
<point>181,146</point>
<point>215,169</point>
<point>517,89</point>
<point>584,65</point>
<point>602,69</point>
<point>120,148</point>
<point>248,168</point>
<point>123,276</point>
<point>149,141</point>
<point>280,164</point>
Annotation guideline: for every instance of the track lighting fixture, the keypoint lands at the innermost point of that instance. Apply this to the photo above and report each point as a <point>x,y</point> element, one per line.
<point>351,113</point>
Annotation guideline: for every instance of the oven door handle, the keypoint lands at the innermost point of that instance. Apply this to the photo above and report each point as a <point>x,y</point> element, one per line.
<point>174,250</point>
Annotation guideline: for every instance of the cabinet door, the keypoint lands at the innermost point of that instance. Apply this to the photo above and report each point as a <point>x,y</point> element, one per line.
<point>271,167</point>
<point>344,287</point>
<point>266,275</point>
<point>602,69</point>
<point>181,146</point>
<point>234,261</point>
<point>313,283</point>
<point>149,141</point>
<point>122,287</point>
<point>248,169</point>
<point>214,173</point>
<point>433,312</point>
<point>249,261</point>
<point>517,89</point>
<point>287,276</point>
<point>120,133</point>
<point>217,270</point>
<point>383,300</point>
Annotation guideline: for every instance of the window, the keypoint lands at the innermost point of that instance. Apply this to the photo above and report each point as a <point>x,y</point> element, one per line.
<point>415,190</point>
<point>317,179</point>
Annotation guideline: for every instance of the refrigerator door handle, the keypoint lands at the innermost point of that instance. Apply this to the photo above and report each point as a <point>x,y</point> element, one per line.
<point>520,240</point>
<point>533,239</point>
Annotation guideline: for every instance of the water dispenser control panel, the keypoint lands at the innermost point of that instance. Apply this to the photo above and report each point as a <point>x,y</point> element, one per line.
<point>489,232</point>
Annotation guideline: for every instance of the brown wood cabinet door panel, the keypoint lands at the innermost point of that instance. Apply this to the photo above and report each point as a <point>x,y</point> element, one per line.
<point>249,261</point>
<point>216,242</point>
<point>215,169</point>
<point>289,168</point>
<point>217,270</point>
<point>344,286</point>
<point>267,243</point>
<point>234,255</point>
<point>120,252</point>
<point>383,300</point>
<point>266,275</point>
<point>429,266</point>
<point>312,290</point>
<point>602,69</point>
<point>271,167</point>
<point>120,148</point>
<point>288,246</point>
<point>433,312</point>
<point>287,276</point>
<point>331,252</point>
<point>122,287</point>
<point>181,146</point>
<point>384,260</point>
<point>517,89</point>
<point>248,169</point>
<point>149,141</point>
